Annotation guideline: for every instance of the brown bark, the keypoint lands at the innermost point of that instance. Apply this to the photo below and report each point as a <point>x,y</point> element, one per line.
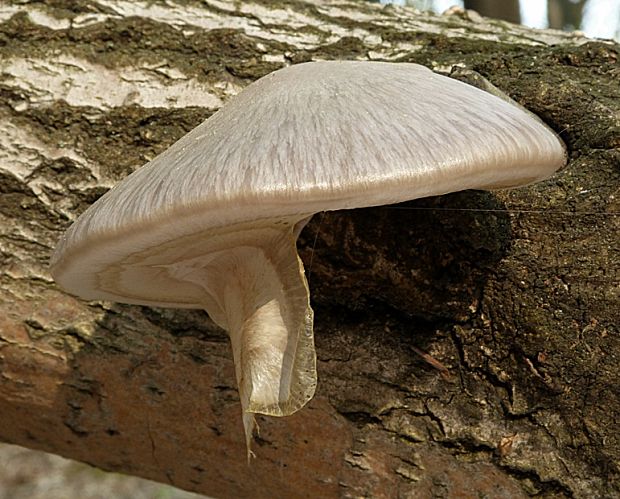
<point>516,293</point>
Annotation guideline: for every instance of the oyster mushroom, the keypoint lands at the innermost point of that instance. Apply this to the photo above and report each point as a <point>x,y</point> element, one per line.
<point>212,222</point>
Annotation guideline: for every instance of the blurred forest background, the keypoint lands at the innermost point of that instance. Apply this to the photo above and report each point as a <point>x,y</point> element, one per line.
<point>595,18</point>
<point>27,474</point>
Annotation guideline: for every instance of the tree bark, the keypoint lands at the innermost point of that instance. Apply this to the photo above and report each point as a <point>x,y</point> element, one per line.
<point>515,292</point>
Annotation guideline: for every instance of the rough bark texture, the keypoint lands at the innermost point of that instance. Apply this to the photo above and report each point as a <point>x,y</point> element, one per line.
<point>516,293</point>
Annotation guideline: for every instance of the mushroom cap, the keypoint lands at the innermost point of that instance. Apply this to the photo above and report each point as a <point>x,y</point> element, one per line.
<point>307,138</point>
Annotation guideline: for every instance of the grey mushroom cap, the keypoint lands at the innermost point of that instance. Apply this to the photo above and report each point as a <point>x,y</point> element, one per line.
<point>307,138</point>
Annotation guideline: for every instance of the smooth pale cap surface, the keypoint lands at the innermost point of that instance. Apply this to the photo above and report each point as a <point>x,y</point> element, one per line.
<point>307,138</point>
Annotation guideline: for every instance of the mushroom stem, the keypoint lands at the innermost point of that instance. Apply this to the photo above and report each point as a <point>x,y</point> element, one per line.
<point>269,321</point>
<point>256,290</point>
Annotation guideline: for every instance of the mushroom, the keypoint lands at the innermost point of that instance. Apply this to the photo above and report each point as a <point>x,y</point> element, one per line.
<point>212,222</point>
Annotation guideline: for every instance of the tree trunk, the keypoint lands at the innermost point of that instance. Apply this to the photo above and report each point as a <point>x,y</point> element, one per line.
<point>515,292</point>
<point>508,10</point>
<point>565,14</point>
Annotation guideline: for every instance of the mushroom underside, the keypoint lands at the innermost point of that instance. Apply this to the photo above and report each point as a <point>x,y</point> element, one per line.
<point>251,282</point>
